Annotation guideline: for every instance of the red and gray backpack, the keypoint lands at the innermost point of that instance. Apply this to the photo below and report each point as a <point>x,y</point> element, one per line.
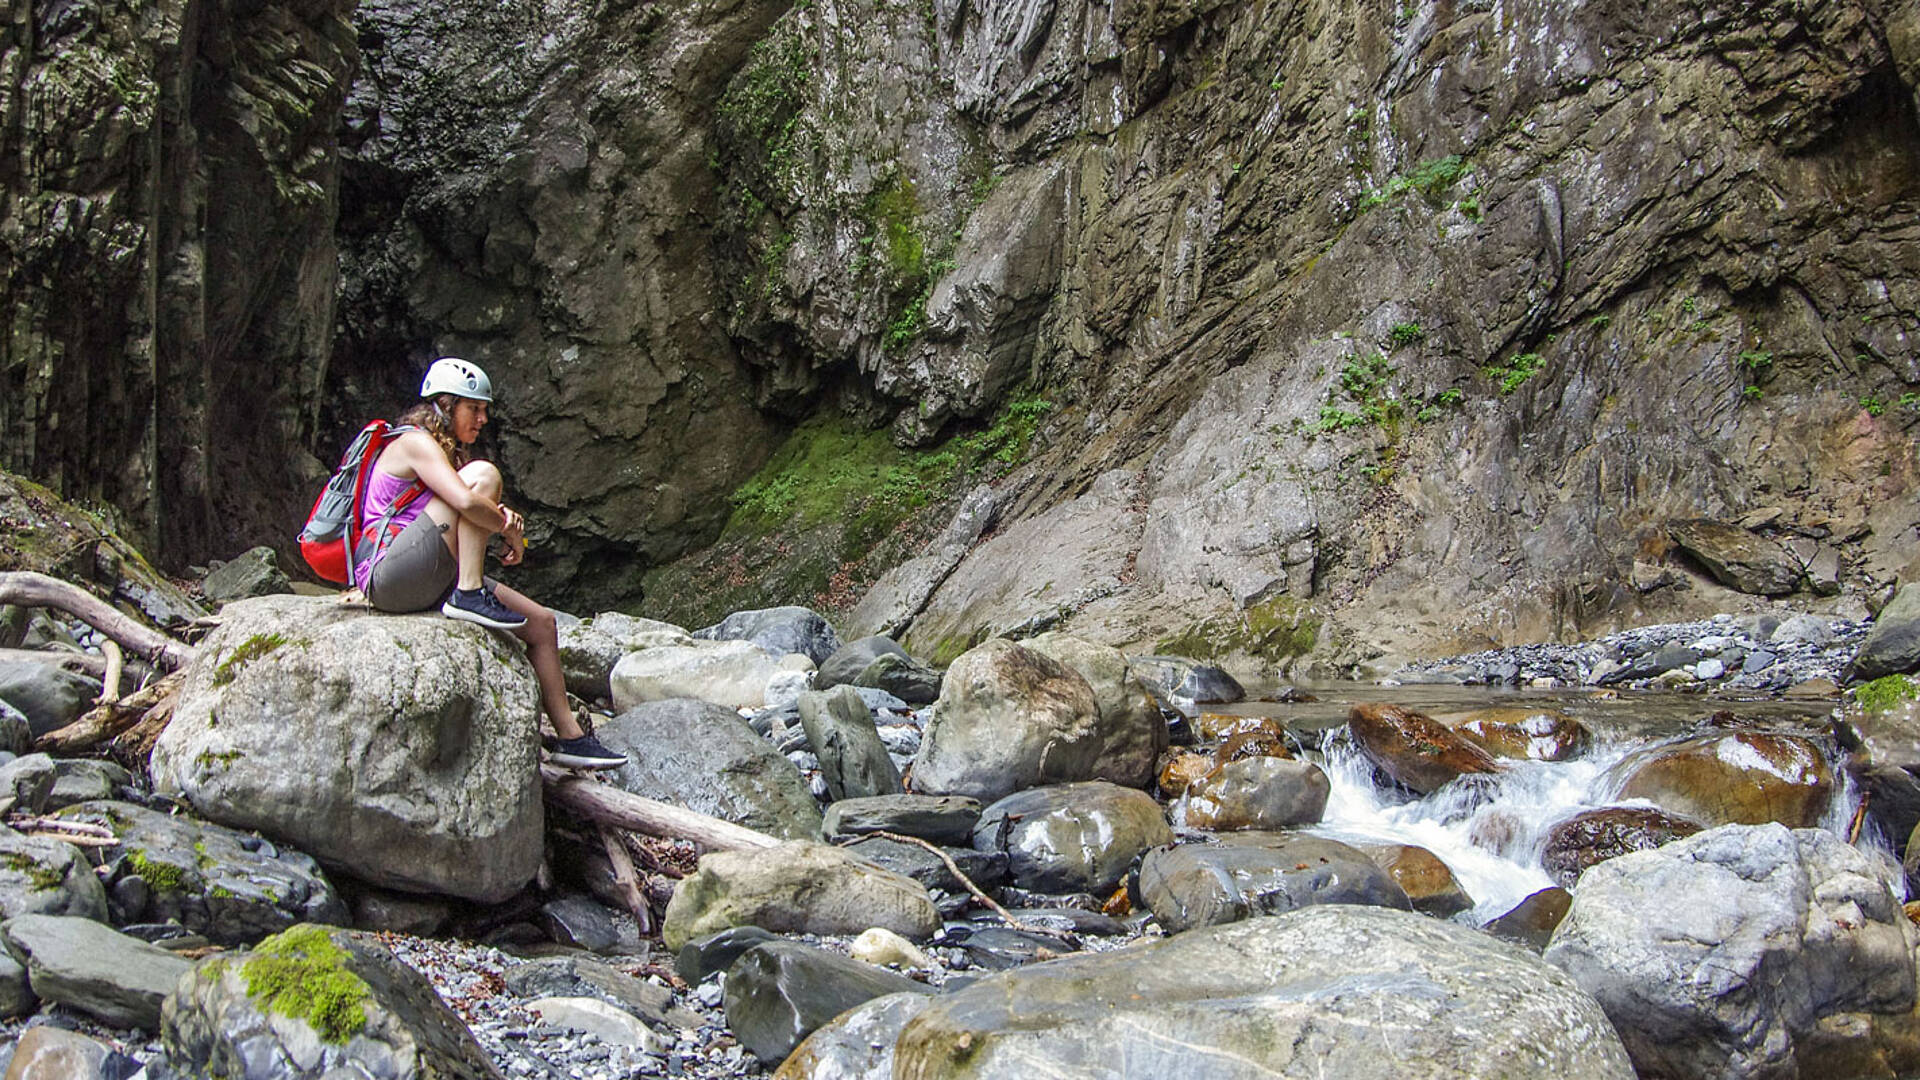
<point>336,536</point>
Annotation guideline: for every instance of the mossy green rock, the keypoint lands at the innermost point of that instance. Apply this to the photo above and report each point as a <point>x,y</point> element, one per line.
<point>312,999</point>
<point>43,876</point>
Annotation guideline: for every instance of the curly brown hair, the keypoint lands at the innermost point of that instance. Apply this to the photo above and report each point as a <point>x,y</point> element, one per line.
<point>435,417</point>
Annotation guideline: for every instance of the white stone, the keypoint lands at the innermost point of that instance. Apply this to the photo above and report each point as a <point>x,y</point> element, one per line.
<point>1709,669</point>
<point>608,1023</point>
<point>732,673</point>
<point>880,947</point>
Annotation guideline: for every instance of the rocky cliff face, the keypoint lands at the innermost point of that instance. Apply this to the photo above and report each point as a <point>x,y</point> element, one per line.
<point>167,187</point>
<point>1300,327</point>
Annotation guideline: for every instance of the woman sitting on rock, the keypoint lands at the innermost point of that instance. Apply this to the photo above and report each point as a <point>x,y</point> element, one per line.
<point>431,550</point>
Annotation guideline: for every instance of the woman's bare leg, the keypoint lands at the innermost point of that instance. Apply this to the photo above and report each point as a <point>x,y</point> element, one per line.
<point>542,635</point>
<point>468,541</point>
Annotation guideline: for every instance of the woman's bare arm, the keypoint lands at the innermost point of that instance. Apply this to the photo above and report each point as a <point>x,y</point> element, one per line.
<point>428,463</point>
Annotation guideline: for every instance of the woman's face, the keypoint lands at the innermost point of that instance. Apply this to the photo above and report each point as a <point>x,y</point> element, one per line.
<point>469,416</point>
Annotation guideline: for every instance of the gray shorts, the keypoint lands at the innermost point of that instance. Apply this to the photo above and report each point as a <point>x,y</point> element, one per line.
<point>416,572</point>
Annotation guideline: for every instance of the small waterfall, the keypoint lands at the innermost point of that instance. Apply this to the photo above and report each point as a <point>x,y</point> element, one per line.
<point>1491,830</point>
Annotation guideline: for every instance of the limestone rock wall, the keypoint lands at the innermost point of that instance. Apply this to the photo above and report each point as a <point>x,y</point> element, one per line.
<point>167,193</point>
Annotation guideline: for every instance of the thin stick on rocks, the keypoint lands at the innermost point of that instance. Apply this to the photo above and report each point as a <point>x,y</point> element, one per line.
<point>79,833</point>
<point>110,680</point>
<point>954,869</point>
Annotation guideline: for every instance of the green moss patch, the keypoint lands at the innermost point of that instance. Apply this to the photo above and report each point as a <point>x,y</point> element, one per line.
<point>245,653</point>
<point>834,507</point>
<point>301,973</point>
<point>1275,630</point>
<point>162,876</point>
<point>42,877</point>
<point>1884,694</point>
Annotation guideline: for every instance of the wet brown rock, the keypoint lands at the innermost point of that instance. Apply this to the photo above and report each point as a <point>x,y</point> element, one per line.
<point>1180,768</point>
<point>1732,777</point>
<point>1215,727</point>
<point>1257,793</point>
<point>1523,734</point>
<point>1427,881</point>
<point>1533,920</point>
<point>1598,835</point>
<point>1414,748</point>
<point>1257,742</point>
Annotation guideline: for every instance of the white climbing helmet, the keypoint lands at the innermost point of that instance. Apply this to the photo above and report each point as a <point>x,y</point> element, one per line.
<point>452,375</point>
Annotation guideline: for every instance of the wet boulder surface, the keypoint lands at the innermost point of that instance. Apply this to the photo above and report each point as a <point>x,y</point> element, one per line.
<point>1072,838</point>
<point>1732,777</point>
<point>1328,991</point>
<point>1415,749</point>
<point>1742,951</point>
<point>797,887</point>
<point>1249,874</point>
<point>1594,836</point>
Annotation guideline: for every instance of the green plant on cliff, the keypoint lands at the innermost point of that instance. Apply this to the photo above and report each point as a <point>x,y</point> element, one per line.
<point>1509,376</point>
<point>1885,693</point>
<point>1755,367</point>
<point>301,973</point>
<point>1430,179</point>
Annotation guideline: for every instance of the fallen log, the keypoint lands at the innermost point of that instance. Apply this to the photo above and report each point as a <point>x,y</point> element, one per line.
<point>28,589</point>
<point>103,722</point>
<point>604,804</point>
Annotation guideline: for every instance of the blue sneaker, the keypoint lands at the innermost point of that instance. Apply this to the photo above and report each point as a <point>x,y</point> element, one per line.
<point>585,752</point>
<point>481,606</point>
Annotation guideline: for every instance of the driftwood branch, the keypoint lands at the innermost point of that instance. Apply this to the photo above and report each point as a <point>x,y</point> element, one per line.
<point>624,879</point>
<point>110,679</point>
<point>604,804</point>
<point>133,746</point>
<point>28,589</point>
<point>80,833</point>
<point>954,869</point>
<point>103,722</point>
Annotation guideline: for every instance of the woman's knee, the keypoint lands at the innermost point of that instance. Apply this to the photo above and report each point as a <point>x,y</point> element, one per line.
<point>483,477</point>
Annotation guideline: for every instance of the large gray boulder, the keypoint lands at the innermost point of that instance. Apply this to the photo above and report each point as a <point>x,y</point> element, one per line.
<point>1340,992</point>
<point>849,660</point>
<point>400,749</point>
<point>230,887</point>
<point>730,673</point>
<point>857,1044</point>
<point>1724,954</point>
<point>16,731</point>
<point>91,967</point>
<point>779,631</point>
<point>1256,873</point>
<point>853,760</point>
<point>796,888</point>
<point>704,757</point>
<point>1010,718</point>
<point>41,876</point>
<point>1135,731</point>
<point>254,572</point>
<point>258,1014</point>
<point>1070,838</point>
<point>48,695</point>
<point>780,992</point>
<point>1892,647</point>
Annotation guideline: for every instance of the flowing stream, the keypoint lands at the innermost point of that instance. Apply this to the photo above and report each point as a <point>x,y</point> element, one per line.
<point>1492,834</point>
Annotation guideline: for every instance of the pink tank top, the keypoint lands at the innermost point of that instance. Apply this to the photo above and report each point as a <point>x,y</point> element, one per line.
<point>382,490</point>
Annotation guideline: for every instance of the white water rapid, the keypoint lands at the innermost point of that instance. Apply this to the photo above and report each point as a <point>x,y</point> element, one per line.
<point>1491,836</point>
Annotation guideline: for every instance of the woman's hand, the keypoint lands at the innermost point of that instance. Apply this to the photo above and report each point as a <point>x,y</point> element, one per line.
<point>515,548</point>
